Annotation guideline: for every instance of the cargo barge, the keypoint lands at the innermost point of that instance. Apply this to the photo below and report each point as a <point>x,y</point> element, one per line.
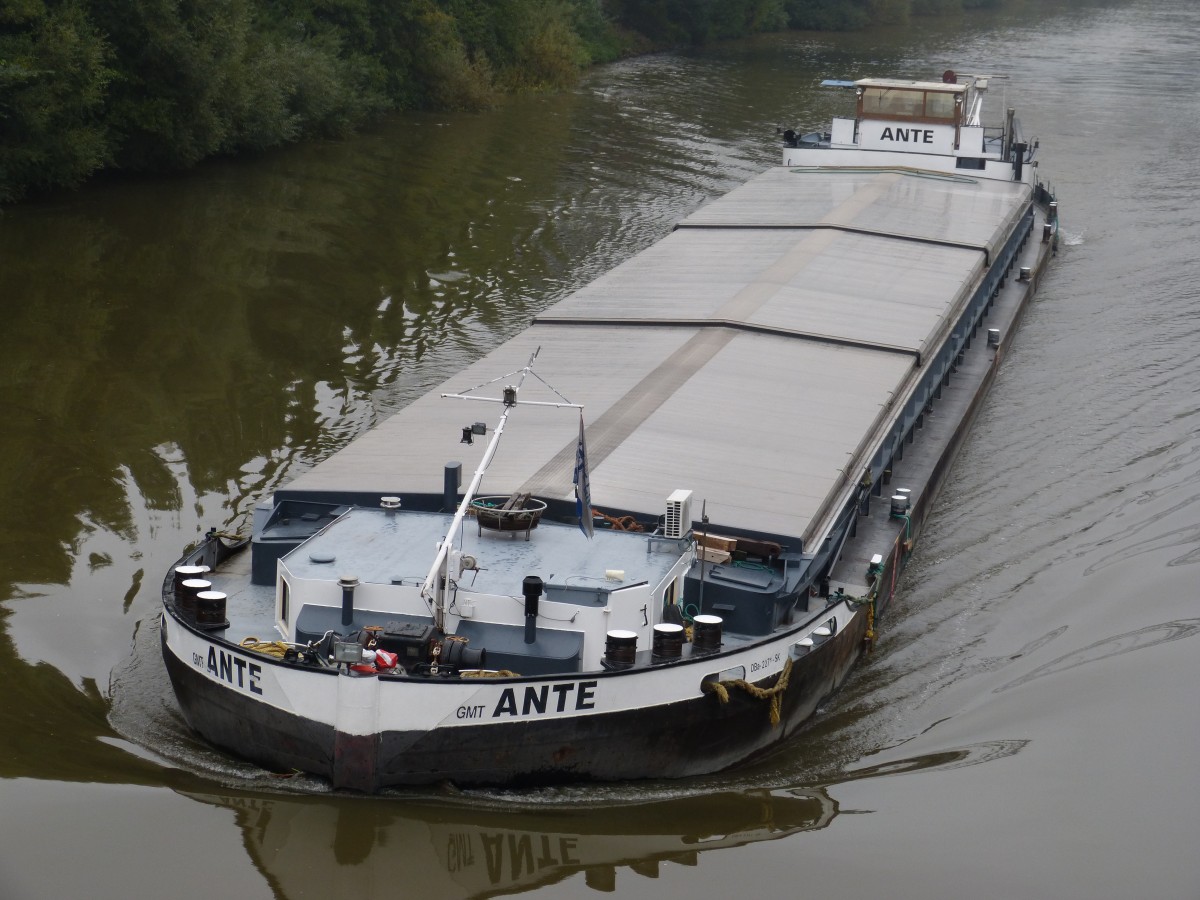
<point>716,459</point>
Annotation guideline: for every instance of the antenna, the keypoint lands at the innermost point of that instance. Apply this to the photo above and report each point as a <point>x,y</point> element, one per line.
<point>437,581</point>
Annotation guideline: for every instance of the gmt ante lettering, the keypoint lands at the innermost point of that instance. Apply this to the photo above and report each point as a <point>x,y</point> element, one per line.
<point>547,697</point>
<point>233,669</point>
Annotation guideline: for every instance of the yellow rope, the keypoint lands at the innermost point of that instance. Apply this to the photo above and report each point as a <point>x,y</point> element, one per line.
<point>270,648</point>
<point>486,673</point>
<point>774,694</point>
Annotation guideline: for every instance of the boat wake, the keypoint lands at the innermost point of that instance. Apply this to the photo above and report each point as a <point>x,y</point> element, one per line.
<point>1150,636</point>
<point>145,714</point>
<point>637,792</point>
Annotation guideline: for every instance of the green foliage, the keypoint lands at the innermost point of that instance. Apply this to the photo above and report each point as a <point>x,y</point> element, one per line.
<point>703,21</point>
<point>936,7</point>
<point>162,84</point>
<point>169,107</point>
<point>602,40</point>
<point>545,50</point>
<point>889,12</point>
<point>827,15</point>
<point>451,78</point>
<point>53,76</point>
<point>199,78</point>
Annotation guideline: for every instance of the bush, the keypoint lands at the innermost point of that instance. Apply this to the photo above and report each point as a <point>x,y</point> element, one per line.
<point>53,76</point>
<point>163,84</point>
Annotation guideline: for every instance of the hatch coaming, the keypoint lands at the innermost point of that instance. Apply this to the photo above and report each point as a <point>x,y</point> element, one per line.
<point>731,357</point>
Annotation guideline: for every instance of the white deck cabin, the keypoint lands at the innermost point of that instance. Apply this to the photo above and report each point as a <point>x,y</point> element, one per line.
<point>929,125</point>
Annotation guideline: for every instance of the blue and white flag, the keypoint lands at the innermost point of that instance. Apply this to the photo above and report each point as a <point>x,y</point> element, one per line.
<point>583,488</point>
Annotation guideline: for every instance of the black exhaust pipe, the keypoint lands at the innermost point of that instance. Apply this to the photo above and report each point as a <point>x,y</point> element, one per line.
<point>531,587</point>
<point>348,583</point>
<point>1019,151</point>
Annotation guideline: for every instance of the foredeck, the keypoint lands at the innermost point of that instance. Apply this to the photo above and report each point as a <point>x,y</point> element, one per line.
<point>751,356</point>
<point>383,548</point>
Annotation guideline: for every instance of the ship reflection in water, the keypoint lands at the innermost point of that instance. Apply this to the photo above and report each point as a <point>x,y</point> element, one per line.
<point>486,845</point>
<point>455,848</point>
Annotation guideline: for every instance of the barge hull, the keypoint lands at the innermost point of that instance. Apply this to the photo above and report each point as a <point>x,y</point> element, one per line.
<point>689,737</point>
<point>686,738</point>
<point>792,351</point>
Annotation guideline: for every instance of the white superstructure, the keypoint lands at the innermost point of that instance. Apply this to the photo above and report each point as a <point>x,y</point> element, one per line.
<point>931,125</point>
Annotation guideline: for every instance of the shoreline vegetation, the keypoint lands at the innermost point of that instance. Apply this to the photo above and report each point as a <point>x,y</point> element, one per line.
<point>158,85</point>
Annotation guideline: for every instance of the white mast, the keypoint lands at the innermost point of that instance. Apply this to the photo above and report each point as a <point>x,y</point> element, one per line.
<point>438,580</point>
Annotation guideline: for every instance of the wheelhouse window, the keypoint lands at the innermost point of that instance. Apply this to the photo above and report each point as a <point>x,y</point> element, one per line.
<point>940,106</point>
<point>917,104</point>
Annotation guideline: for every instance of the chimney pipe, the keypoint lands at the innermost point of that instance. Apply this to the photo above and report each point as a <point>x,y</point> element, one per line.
<point>531,587</point>
<point>451,481</point>
<point>347,583</point>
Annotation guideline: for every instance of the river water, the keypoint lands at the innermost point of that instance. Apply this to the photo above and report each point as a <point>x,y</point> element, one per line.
<point>173,347</point>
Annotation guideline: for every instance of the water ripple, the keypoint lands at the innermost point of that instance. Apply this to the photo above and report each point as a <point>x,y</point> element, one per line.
<point>1150,636</point>
<point>940,761</point>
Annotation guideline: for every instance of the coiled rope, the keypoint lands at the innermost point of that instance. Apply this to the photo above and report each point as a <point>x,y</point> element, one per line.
<point>621,523</point>
<point>774,694</point>
<point>270,648</point>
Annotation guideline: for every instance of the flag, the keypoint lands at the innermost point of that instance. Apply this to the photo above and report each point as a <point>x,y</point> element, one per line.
<point>583,489</point>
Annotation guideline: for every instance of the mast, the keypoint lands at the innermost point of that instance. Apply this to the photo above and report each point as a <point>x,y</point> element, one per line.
<point>437,582</point>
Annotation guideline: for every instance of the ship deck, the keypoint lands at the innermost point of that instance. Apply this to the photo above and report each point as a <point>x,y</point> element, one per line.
<point>942,429</point>
<point>757,355</point>
<point>383,548</point>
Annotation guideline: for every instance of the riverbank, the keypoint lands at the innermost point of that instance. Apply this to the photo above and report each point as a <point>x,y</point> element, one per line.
<point>88,87</point>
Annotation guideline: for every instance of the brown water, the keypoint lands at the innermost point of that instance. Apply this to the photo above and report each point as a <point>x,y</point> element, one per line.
<point>172,348</point>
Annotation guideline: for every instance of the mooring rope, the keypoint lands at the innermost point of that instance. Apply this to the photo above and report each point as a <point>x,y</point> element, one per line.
<point>270,648</point>
<point>619,523</point>
<point>774,694</point>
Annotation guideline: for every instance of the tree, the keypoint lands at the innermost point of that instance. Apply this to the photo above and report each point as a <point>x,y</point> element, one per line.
<point>53,75</point>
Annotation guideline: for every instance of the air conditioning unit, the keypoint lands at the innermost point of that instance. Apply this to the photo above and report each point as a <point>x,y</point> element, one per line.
<point>679,514</point>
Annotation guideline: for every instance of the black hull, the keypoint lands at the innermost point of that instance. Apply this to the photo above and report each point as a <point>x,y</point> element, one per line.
<point>675,740</point>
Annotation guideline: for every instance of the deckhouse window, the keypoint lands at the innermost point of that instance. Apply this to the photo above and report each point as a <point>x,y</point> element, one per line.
<point>939,106</point>
<point>908,103</point>
<point>893,102</point>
